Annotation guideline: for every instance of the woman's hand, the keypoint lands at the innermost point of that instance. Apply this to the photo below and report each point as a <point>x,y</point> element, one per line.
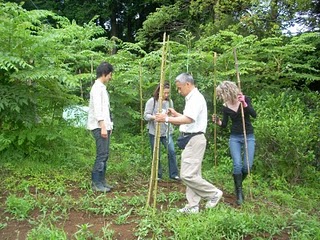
<point>241,98</point>
<point>216,119</point>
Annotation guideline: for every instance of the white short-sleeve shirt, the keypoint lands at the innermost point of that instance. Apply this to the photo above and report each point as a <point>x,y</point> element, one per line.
<point>196,109</point>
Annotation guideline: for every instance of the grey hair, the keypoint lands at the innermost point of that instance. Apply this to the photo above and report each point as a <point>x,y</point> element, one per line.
<point>184,78</point>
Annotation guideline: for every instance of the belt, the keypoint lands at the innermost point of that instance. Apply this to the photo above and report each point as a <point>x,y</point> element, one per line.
<point>188,134</point>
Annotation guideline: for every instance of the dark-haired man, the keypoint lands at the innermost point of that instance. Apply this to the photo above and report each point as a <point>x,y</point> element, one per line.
<point>100,124</point>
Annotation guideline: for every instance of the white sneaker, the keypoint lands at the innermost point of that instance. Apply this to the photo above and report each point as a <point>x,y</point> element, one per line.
<point>214,201</point>
<point>188,210</point>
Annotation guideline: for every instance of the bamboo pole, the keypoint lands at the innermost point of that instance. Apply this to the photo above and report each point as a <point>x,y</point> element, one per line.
<point>141,111</point>
<point>215,106</point>
<point>153,184</point>
<point>91,71</point>
<point>242,115</point>
<point>169,98</point>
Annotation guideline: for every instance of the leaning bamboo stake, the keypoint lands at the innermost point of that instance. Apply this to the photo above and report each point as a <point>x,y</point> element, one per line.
<point>153,185</point>
<point>242,115</point>
<point>215,106</point>
<point>162,80</point>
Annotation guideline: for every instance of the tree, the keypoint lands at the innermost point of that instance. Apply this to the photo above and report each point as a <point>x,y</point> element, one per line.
<point>272,62</point>
<point>120,19</point>
<point>41,54</point>
<point>273,17</point>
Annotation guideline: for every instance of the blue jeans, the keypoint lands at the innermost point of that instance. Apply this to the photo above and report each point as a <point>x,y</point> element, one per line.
<point>102,151</point>
<point>172,162</point>
<point>238,153</point>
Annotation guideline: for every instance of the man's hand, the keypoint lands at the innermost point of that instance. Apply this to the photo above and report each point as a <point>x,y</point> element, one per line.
<point>160,117</point>
<point>173,112</point>
<point>104,133</point>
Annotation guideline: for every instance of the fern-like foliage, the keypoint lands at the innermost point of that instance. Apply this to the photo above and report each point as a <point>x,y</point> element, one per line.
<point>40,57</point>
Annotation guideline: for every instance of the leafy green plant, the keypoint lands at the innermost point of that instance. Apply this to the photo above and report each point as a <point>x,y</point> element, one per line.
<point>19,207</point>
<point>149,225</point>
<point>107,232</point>
<point>102,205</point>
<point>137,200</point>
<point>53,209</point>
<point>175,196</point>
<point>161,197</point>
<point>43,232</point>
<point>304,226</point>
<point>123,218</point>
<point>3,225</point>
<point>84,232</point>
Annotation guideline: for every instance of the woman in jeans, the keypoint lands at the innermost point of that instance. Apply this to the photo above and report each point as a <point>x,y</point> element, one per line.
<point>166,130</point>
<point>232,98</point>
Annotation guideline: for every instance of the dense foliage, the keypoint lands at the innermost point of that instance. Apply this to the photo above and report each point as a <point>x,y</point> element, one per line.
<point>47,64</point>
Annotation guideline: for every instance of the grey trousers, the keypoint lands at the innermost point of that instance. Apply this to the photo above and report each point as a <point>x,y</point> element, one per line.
<point>190,172</point>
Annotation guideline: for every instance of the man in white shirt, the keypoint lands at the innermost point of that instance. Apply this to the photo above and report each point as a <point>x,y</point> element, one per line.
<point>193,122</point>
<point>100,124</point>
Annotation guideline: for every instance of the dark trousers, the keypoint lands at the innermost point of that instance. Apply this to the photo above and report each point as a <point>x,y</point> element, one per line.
<point>172,162</point>
<point>102,151</point>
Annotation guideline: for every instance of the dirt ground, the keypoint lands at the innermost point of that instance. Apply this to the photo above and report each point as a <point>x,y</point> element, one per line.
<point>17,230</point>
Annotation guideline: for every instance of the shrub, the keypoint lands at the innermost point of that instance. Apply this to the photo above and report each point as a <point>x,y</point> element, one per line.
<point>287,135</point>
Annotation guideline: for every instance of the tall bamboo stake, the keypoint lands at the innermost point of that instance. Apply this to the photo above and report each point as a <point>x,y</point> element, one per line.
<point>170,105</point>
<point>91,65</point>
<point>141,110</point>
<point>153,185</point>
<point>215,106</point>
<point>242,115</point>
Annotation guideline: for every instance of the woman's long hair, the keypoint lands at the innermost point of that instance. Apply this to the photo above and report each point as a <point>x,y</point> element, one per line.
<point>156,92</point>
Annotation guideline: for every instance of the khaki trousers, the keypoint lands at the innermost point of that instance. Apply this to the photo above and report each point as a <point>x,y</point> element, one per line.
<point>190,172</point>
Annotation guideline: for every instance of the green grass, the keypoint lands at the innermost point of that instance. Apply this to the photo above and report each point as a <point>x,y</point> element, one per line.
<point>45,193</point>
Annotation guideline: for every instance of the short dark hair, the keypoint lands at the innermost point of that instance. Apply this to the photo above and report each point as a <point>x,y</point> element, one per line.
<point>104,69</point>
